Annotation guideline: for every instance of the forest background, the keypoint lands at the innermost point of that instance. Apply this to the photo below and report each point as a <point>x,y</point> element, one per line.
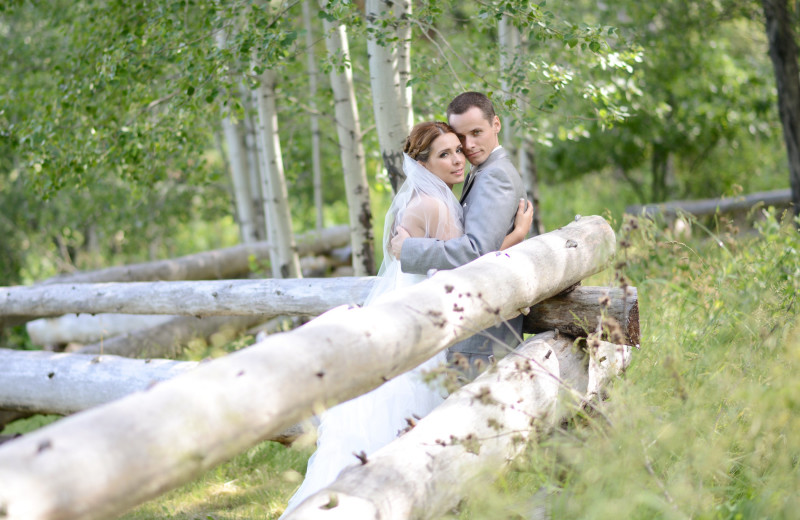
<point>113,149</point>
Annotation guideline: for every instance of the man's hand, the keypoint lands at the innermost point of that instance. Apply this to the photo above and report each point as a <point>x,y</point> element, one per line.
<point>397,241</point>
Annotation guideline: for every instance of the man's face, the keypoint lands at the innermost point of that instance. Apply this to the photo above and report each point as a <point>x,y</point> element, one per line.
<point>478,136</point>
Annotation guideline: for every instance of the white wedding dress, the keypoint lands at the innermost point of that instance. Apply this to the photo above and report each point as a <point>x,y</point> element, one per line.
<point>371,421</point>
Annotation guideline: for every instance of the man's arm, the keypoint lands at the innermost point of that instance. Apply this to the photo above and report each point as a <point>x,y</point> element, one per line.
<point>491,206</point>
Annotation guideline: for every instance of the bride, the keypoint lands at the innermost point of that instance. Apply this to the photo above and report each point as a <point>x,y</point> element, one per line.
<point>426,207</point>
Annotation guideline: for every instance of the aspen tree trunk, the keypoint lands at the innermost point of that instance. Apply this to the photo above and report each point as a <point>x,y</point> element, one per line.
<point>783,53</point>
<point>285,262</point>
<point>387,99</point>
<point>508,37</point>
<point>403,14</point>
<point>239,171</point>
<point>352,151</point>
<point>313,72</point>
<point>253,165</point>
<point>530,179</point>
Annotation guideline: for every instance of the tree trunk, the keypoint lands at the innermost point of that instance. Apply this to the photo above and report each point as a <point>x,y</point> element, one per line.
<point>35,382</point>
<point>284,259</point>
<point>311,64</point>
<point>270,297</point>
<point>783,52</point>
<point>480,428</point>
<point>253,171</point>
<point>384,75</point>
<point>135,448</point>
<point>169,339</point>
<point>239,171</point>
<point>217,264</point>
<point>700,207</point>
<point>578,312</point>
<point>352,151</point>
<point>88,328</point>
<point>508,40</point>
<point>403,15</point>
<point>48,383</point>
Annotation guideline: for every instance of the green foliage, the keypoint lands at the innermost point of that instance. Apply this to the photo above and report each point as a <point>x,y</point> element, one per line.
<point>703,423</point>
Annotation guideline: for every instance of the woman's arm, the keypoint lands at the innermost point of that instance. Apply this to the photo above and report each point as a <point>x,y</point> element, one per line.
<point>522,224</point>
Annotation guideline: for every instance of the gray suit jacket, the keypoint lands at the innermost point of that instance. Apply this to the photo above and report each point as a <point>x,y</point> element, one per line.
<point>490,200</point>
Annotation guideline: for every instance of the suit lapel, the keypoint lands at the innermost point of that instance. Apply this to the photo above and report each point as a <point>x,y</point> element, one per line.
<point>474,173</point>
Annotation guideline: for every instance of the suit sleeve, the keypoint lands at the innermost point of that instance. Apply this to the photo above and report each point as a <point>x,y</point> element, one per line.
<point>492,204</point>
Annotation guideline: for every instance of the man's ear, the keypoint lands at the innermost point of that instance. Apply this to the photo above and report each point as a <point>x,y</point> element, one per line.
<point>496,124</point>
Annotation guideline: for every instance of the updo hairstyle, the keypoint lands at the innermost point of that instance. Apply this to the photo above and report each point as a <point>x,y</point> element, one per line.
<point>419,141</point>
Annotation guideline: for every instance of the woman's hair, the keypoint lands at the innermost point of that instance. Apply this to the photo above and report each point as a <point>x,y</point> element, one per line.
<point>419,141</point>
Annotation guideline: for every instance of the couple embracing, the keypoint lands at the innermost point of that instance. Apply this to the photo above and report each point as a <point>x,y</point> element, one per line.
<point>428,228</point>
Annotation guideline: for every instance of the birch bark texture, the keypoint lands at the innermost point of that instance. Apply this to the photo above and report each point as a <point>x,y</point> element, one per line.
<point>285,262</point>
<point>351,149</point>
<point>182,427</point>
<point>388,93</point>
<point>425,472</point>
<point>313,73</point>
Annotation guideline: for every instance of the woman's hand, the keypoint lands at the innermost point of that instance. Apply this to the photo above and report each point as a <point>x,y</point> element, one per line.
<point>524,218</point>
<point>522,224</point>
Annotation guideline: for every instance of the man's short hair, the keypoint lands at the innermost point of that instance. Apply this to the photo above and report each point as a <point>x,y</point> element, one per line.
<point>463,102</point>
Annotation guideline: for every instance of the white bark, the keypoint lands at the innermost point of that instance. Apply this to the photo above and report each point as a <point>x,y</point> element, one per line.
<point>87,328</point>
<point>137,447</point>
<point>237,155</point>
<point>387,98</point>
<point>285,262</point>
<point>313,72</point>
<point>253,166</point>
<point>508,37</point>
<point>352,152</point>
<point>50,383</point>
<point>482,426</point>
<point>403,14</point>
<point>216,264</point>
<point>169,339</point>
<point>270,297</point>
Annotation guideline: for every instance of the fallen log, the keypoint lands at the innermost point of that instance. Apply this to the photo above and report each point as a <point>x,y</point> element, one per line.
<point>225,263</point>
<point>577,313</point>
<point>482,425</point>
<point>140,446</point>
<point>209,265</point>
<point>269,297</point>
<point>87,328</point>
<point>58,383</point>
<point>169,339</point>
<point>670,210</point>
<point>475,433</point>
<point>36,382</point>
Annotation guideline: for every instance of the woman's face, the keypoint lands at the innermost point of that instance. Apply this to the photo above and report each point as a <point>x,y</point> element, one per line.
<point>446,160</point>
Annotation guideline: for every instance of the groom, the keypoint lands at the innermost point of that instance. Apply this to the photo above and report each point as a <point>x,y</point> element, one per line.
<point>490,198</point>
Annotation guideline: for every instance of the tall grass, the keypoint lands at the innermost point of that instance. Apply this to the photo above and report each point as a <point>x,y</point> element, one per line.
<point>706,423</point>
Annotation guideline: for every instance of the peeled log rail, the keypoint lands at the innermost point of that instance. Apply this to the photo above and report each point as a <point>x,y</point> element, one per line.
<point>169,339</point>
<point>477,430</point>
<point>574,313</point>
<point>87,328</point>
<point>779,198</point>
<point>51,383</point>
<point>208,265</point>
<point>269,298</point>
<point>60,383</point>
<point>577,312</point>
<point>98,463</point>
<point>422,474</point>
